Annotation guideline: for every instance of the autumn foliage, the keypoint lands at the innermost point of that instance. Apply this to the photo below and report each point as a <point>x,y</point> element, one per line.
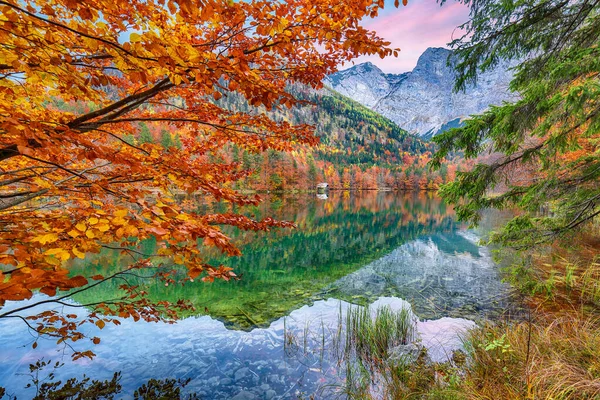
<point>78,79</point>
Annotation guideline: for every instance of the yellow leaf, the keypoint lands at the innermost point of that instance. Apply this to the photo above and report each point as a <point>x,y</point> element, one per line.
<point>93,221</point>
<point>78,253</point>
<point>131,230</point>
<point>120,213</point>
<point>52,252</point>
<point>90,234</point>
<point>134,37</point>
<point>183,217</point>
<point>176,79</point>
<point>119,221</point>
<point>46,238</point>
<point>103,227</point>
<point>59,253</point>
<point>73,233</point>
<point>52,260</point>
<point>81,226</point>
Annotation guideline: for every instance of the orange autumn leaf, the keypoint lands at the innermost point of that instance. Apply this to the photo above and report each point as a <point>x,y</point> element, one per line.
<point>81,83</point>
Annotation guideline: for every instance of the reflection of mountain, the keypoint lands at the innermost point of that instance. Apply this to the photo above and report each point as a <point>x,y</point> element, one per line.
<point>443,274</point>
<point>353,247</point>
<point>456,242</point>
<point>222,363</point>
<point>283,270</point>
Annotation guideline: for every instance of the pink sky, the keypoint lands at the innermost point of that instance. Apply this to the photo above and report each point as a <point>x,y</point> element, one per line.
<point>414,28</point>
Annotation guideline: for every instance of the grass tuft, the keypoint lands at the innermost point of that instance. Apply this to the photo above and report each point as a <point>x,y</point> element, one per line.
<point>555,353</point>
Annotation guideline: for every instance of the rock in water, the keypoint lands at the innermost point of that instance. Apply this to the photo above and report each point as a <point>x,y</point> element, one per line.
<point>242,373</point>
<point>405,354</point>
<point>244,395</point>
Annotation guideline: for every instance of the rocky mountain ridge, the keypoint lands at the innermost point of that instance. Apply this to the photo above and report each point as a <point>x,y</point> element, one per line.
<point>423,101</point>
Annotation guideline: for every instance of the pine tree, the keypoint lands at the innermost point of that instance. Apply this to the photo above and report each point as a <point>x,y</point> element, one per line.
<point>177,142</point>
<point>145,135</point>
<point>166,140</point>
<point>545,147</point>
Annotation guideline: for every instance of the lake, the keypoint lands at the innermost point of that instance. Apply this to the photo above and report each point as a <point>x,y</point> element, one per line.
<point>268,335</point>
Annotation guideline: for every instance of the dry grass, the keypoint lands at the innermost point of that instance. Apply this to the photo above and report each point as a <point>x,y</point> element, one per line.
<point>556,357</point>
<point>555,354</point>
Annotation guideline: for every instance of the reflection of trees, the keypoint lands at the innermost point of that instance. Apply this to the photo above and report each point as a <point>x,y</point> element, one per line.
<point>43,381</point>
<point>282,270</point>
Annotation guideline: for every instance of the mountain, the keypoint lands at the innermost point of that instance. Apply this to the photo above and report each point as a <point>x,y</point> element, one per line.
<point>352,134</point>
<point>423,101</point>
<point>349,133</point>
<point>359,148</point>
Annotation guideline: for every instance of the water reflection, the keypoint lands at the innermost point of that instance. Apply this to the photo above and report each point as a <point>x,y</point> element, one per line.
<point>446,274</point>
<point>349,248</point>
<point>224,363</point>
<point>284,269</point>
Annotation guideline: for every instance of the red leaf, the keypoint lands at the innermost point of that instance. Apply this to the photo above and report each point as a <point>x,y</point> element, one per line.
<point>195,272</point>
<point>157,230</point>
<point>49,290</point>
<point>77,281</point>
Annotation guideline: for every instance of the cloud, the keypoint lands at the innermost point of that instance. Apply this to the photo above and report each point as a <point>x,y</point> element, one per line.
<point>413,29</point>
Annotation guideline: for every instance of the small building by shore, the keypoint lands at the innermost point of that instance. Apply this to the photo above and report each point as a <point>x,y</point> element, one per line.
<point>322,187</point>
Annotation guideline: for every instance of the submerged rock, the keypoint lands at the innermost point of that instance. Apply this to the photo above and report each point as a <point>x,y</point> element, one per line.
<point>244,395</point>
<point>226,382</point>
<point>405,354</point>
<point>440,275</point>
<point>241,373</point>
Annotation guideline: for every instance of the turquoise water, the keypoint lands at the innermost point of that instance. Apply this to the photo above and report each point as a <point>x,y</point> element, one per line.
<point>349,248</point>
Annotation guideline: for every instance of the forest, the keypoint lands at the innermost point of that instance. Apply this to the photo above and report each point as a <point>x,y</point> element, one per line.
<point>358,149</point>
<point>159,222</point>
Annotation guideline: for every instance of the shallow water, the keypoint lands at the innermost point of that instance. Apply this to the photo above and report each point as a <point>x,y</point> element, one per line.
<point>369,248</point>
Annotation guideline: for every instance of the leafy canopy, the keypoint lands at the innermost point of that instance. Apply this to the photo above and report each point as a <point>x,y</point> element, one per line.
<point>542,152</point>
<point>80,82</point>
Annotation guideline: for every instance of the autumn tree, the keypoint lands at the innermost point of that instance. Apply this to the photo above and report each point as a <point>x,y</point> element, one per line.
<point>545,147</point>
<point>78,78</point>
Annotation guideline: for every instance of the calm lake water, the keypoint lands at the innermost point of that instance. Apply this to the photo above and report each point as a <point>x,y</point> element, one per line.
<point>401,250</point>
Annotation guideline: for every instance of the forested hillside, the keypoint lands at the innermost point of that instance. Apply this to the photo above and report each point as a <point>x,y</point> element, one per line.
<point>358,148</point>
